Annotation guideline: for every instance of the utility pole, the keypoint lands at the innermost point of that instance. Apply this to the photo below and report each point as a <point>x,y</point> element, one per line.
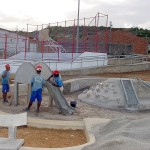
<point>147,51</point>
<point>110,36</point>
<point>77,37</point>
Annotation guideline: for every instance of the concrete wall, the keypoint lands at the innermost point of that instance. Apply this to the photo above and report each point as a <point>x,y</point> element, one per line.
<point>115,66</point>
<point>108,69</point>
<point>122,37</point>
<point>121,61</point>
<point>73,85</point>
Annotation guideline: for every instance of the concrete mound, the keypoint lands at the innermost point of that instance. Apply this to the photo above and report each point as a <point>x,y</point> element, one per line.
<point>118,93</point>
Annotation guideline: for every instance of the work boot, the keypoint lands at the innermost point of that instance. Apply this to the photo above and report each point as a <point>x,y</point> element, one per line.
<point>27,109</point>
<point>38,107</point>
<point>37,111</point>
<point>5,101</point>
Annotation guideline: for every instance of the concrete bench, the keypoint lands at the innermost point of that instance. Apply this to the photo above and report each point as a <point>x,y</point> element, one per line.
<point>12,122</point>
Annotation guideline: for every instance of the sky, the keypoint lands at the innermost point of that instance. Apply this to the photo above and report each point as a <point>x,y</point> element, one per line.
<point>16,14</point>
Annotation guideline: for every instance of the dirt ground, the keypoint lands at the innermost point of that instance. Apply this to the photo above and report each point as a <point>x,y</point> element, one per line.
<point>48,138</point>
<point>65,138</point>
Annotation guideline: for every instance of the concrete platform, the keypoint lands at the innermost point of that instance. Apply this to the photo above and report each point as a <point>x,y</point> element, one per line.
<point>13,144</point>
<point>11,122</point>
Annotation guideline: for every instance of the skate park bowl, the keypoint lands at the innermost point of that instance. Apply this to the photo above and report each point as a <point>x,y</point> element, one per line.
<point>109,93</point>
<point>92,126</point>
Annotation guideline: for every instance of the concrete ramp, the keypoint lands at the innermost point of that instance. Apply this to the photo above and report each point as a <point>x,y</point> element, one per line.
<point>130,93</point>
<point>59,99</point>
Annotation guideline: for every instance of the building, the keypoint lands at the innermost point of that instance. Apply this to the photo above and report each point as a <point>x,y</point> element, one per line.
<point>123,42</point>
<point>12,43</point>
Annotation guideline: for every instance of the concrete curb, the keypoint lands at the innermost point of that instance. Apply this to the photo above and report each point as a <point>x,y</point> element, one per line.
<point>87,125</point>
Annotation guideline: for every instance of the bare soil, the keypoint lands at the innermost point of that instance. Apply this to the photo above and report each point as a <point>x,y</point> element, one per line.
<point>35,137</point>
<point>48,138</point>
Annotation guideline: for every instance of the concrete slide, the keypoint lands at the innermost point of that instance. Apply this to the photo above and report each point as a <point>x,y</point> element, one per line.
<point>59,99</point>
<point>130,93</point>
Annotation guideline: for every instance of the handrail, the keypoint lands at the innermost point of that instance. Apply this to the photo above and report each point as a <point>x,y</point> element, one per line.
<point>148,85</point>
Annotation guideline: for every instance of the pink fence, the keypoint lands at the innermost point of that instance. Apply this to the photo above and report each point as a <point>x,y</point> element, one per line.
<point>93,37</point>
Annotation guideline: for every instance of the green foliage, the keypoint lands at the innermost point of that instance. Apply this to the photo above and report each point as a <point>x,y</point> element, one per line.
<point>59,31</point>
<point>70,31</point>
<point>140,31</point>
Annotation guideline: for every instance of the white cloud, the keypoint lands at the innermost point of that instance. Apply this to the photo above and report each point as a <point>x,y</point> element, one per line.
<point>122,13</point>
<point>145,25</point>
<point>113,2</point>
<point>126,25</point>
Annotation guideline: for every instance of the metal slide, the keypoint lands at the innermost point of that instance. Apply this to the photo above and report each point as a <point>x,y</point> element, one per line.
<point>130,93</point>
<point>59,99</point>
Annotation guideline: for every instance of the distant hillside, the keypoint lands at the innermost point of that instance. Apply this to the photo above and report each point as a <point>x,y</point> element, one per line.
<point>56,31</point>
<point>90,29</point>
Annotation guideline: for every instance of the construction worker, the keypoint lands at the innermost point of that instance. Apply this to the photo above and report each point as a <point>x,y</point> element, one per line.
<point>5,82</point>
<point>56,79</point>
<point>37,84</point>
